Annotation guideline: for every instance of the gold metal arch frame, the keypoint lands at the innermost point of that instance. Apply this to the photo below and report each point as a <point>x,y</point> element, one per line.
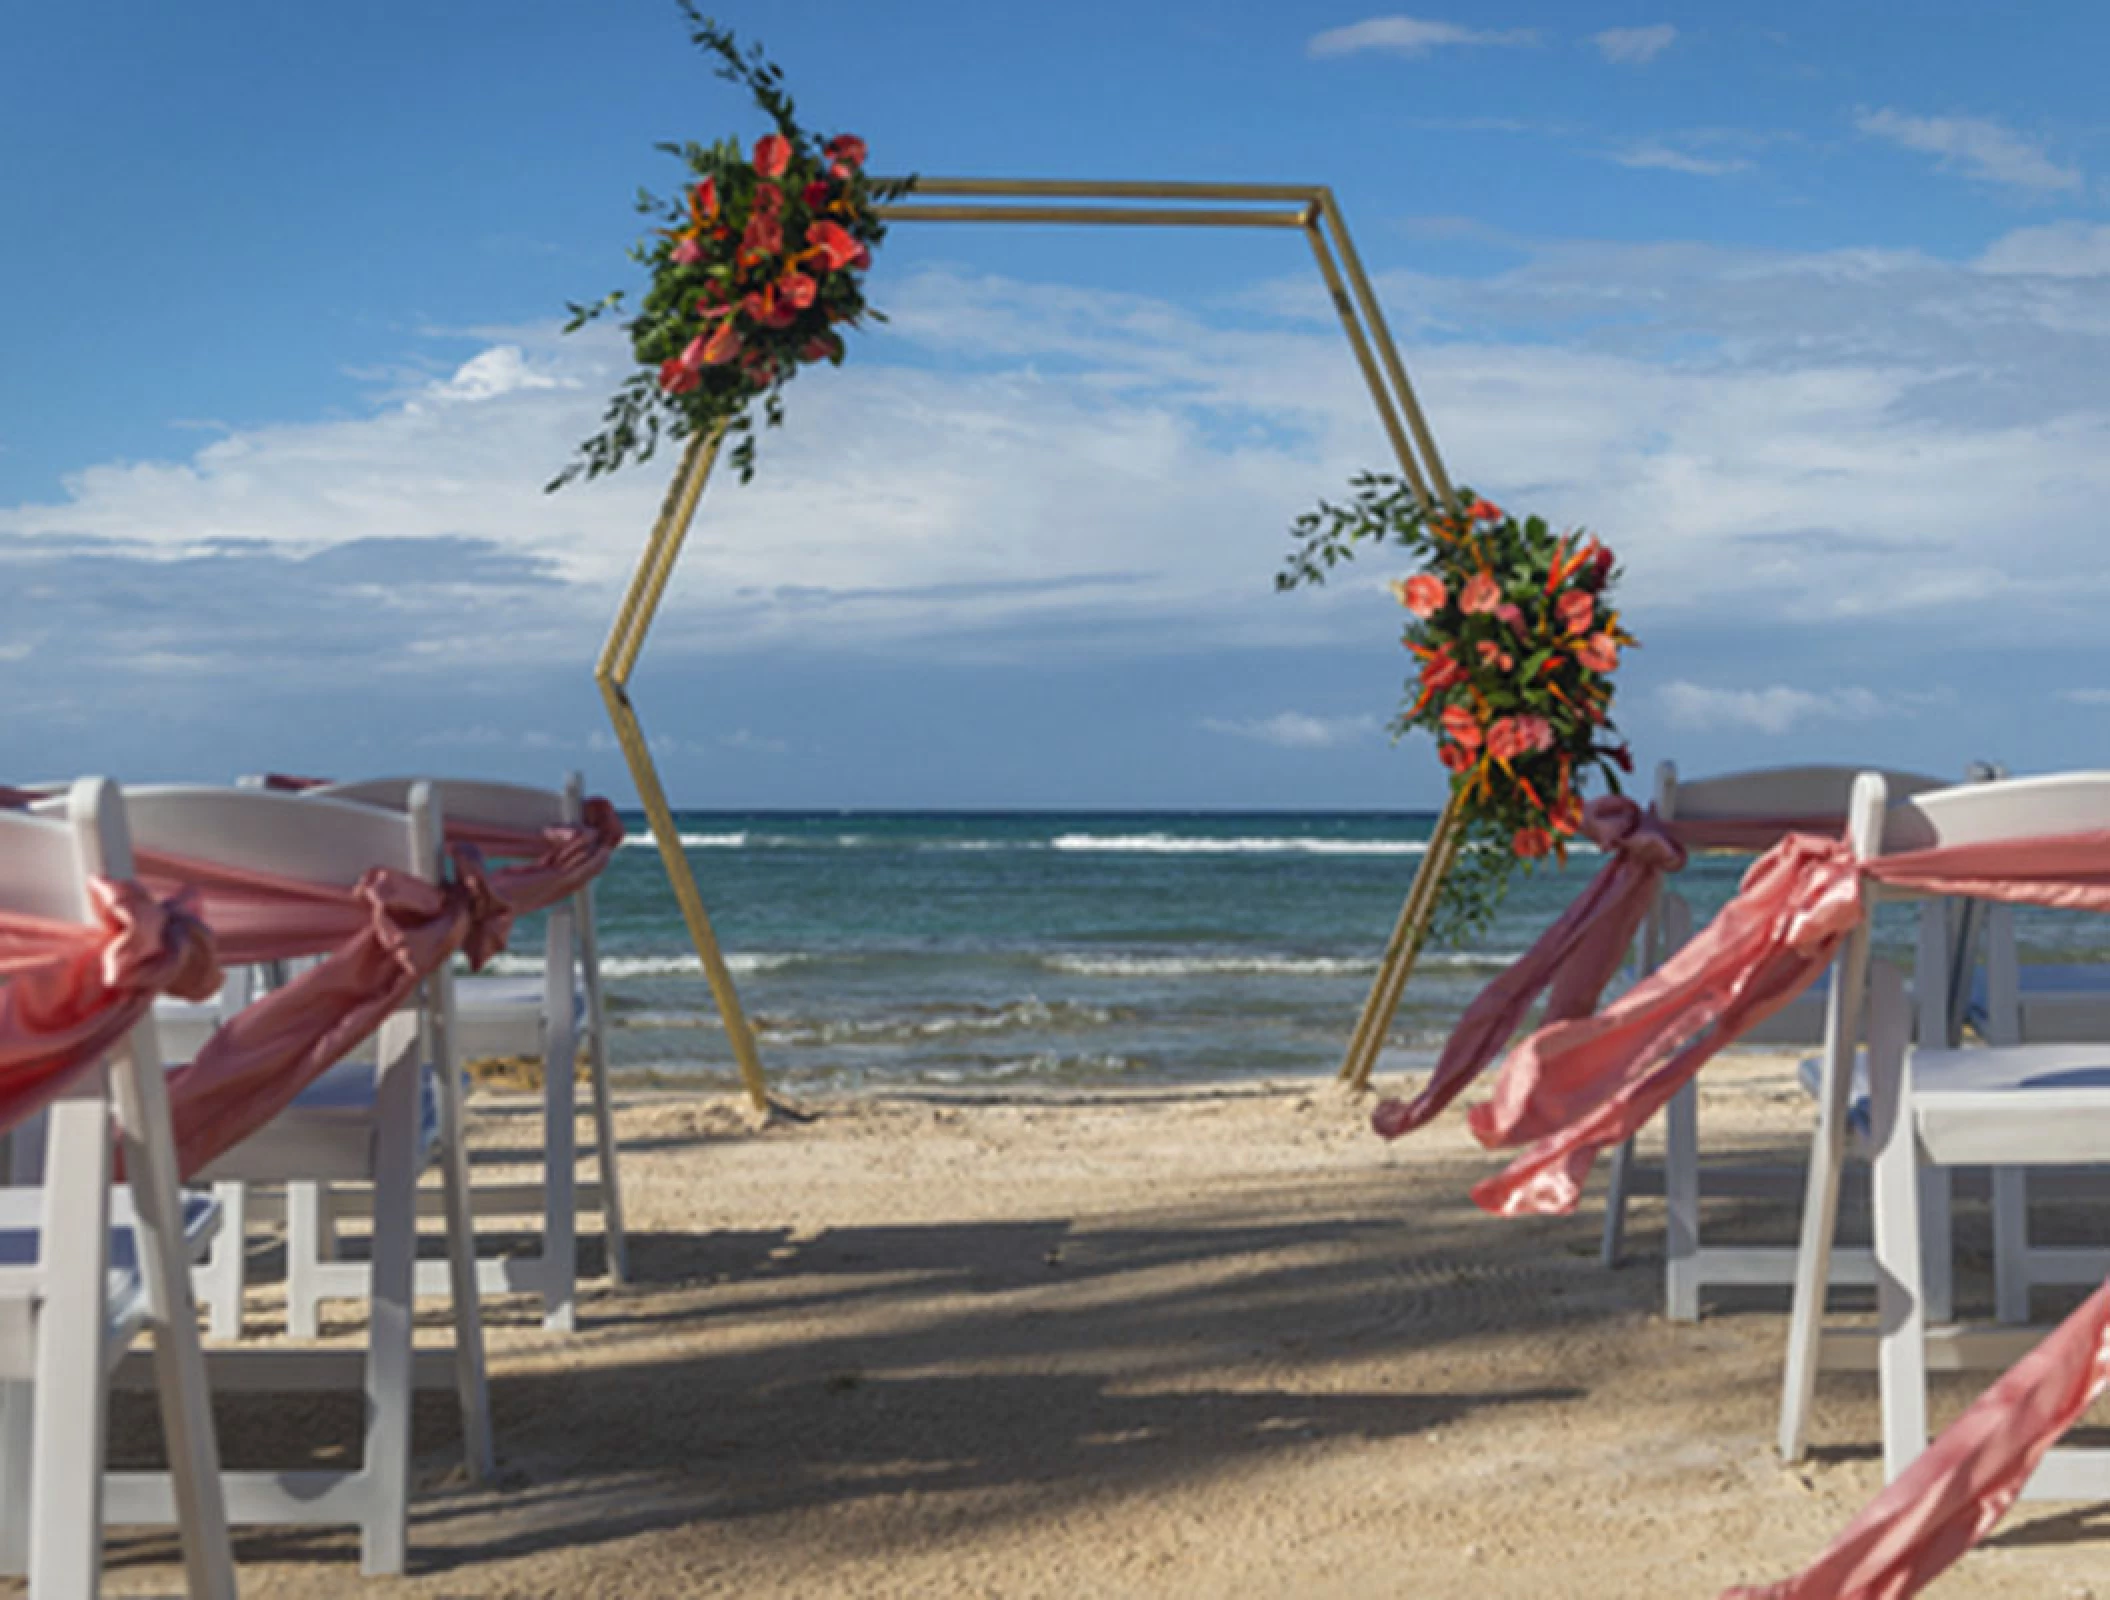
<point>1307,207</point>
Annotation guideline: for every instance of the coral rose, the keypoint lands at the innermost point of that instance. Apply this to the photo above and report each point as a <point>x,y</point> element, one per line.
<point>1505,740</point>
<point>1531,843</point>
<point>1423,594</point>
<point>1536,733</point>
<point>1462,726</point>
<point>772,155</point>
<point>1481,595</point>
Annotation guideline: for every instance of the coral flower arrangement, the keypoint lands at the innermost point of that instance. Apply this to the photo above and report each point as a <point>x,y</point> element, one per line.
<point>1515,640</point>
<point>756,273</point>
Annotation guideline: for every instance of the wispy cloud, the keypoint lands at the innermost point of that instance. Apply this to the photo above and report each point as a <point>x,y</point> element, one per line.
<point>1650,153</point>
<point>1977,147</point>
<point>1776,709</point>
<point>2059,250</point>
<point>2085,697</point>
<point>1297,730</point>
<point>1411,37</point>
<point>1634,47</point>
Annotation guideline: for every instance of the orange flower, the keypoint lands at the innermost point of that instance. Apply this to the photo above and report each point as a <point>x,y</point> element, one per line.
<point>1482,594</point>
<point>1462,725</point>
<point>1599,653</point>
<point>1484,511</point>
<point>1440,671</point>
<point>721,346</point>
<point>1531,843</point>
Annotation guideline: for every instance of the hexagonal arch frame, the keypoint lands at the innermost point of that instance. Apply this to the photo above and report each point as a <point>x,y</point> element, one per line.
<point>1309,208</point>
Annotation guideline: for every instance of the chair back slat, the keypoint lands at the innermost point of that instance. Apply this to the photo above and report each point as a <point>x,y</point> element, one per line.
<point>317,841</point>
<point>2013,808</point>
<point>475,802</point>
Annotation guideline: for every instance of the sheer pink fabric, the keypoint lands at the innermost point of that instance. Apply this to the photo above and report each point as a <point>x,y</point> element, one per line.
<point>379,940</point>
<point>1576,1087</point>
<point>1951,1497</point>
<point>71,991</point>
<point>1575,958</point>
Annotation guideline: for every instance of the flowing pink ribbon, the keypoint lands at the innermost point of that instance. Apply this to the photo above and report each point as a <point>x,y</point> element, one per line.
<point>1951,1497</point>
<point>548,865</point>
<point>72,990</point>
<point>1582,1085</point>
<point>1574,958</point>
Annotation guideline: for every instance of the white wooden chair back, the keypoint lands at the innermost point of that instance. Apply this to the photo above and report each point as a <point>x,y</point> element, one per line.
<point>476,801</point>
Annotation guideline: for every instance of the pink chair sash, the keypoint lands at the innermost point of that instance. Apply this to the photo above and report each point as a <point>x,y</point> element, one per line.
<point>379,940</point>
<point>1951,1497</point>
<point>1579,1086</point>
<point>548,865</point>
<point>72,991</point>
<point>1573,960</point>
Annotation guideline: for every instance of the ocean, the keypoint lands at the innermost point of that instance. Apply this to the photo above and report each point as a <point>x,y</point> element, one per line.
<point>964,949</point>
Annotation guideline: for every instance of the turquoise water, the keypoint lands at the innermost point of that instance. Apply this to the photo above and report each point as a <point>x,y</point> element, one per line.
<point>965,949</point>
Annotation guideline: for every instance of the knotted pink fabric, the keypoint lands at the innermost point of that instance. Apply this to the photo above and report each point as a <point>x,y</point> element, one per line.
<point>71,990</point>
<point>379,940</point>
<point>549,864</point>
<point>1574,958</point>
<point>1580,1086</point>
<point>1951,1497</point>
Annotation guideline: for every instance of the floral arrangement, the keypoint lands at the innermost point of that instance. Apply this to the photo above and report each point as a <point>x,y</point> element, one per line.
<point>755,274</point>
<point>1515,641</point>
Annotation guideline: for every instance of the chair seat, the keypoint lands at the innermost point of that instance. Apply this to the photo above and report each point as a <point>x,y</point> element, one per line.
<point>1967,1110</point>
<point>502,1016</point>
<point>328,1132</point>
<point>21,1222</point>
<point>2060,1002</point>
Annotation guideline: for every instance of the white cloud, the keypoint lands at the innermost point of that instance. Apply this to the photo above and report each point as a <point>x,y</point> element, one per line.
<point>1411,37</point>
<point>1650,153</point>
<point>1634,47</point>
<point>2058,250</point>
<point>1976,146</point>
<point>1776,709</point>
<point>2085,697</point>
<point>1297,730</point>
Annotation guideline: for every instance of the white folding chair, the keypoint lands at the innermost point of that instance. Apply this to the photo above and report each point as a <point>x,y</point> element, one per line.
<point>508,1016</point>
<point>1787,795</point>
<point>81,1276</point>
<point>376,1122</point>
<point>1930,1108</point>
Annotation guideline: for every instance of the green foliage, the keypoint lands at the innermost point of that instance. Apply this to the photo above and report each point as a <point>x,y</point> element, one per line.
<point>1515,640</point>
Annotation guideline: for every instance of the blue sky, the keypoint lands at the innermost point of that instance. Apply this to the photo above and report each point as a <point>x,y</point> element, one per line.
<point>1805,309</point>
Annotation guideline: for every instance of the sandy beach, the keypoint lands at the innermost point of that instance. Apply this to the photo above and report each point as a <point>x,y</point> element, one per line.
<point>1198,1342</point>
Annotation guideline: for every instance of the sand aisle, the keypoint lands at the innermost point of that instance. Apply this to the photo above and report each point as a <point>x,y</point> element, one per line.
<point>1179,1344</point>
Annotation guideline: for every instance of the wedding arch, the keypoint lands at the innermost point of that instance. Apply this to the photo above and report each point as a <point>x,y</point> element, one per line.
<point>1309,208</point>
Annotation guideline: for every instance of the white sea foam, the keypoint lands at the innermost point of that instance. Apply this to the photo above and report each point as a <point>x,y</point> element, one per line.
<point>1197,966</point>
<point>654,966</point>
<point>691,841</point>
<point>1170,844</point>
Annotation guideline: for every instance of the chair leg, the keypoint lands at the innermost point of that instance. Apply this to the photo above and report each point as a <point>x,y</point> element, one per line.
<point>1612,1247</point>
<point>221,1279</point>
<point>67,1409</point>
<point>303,1258</point>
<point>1938,1230</point>
<point>147,1129</point>
<point>15,1448</point>
<point>2011,1244</point>
<point>1900,1252</point>
<point>1681,1206</point>
<point>616,1241</point>
<point>471,1381</point>
<point>384,1533</point>
<point>560,1128</point>
<point>1820,1204</point>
